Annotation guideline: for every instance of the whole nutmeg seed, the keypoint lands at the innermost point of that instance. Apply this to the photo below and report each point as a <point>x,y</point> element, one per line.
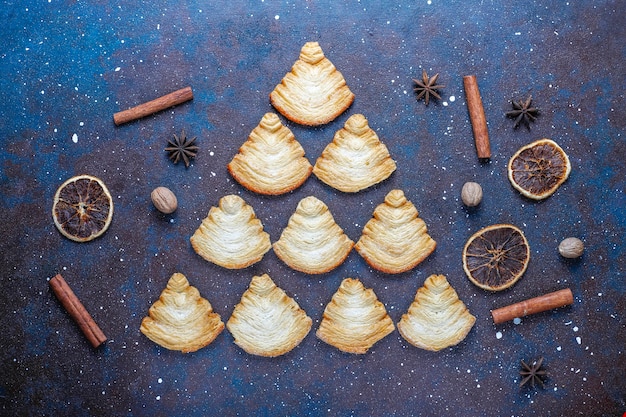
<point>471,194</point>
<point>164,200</point>
<point>571,247</point>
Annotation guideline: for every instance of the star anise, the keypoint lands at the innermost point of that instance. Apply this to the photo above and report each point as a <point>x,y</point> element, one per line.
<point>533,373</point>
<point>427,86</point>
<point>523,112</point>
<point>182,148</point>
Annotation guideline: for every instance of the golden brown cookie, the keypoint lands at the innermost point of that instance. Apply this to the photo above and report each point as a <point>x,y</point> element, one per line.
<point>271,161</point>
<point>355,319</point>
<point>266,321</point>
<point>356,158</point>
<point>314,92</point>
<point>181,319</point>
<point>395,240</point>
<point>231,235</point>
<point>437,318</point>
<point>312,242</point>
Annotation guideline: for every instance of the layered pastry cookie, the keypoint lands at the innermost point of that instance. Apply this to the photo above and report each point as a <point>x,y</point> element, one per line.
<point>267,322</point>
<point>271,161</point>
<point>181,319</point>
<point>312,242</point>
<point>231,235</point>
<point>355,319</point>
<point>395,239</point>
<point>437,318</point>
<point>314,92</point>
<point>356,158</point>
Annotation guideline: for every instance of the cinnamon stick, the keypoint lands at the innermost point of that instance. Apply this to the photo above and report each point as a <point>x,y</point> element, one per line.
<point>77,311</point>
<point>477,116</point>
<point>154,106</point>
<point>545,302</point>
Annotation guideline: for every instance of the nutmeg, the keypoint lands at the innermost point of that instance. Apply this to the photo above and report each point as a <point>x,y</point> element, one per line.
<point>571,247</point>
<point>164,200</point>
<point>471,194</point>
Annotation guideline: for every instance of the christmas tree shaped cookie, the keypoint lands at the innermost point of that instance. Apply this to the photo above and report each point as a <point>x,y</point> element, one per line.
<point>355,159</point>
<point>437,318</point>
<point>181,319</point>
<point>314,92</point>
<point>231,235</point>
<point>395,240</point>
<point>271,161</point>
<point>354,319</point>
<point>267,322</point>
<point>312,242</point>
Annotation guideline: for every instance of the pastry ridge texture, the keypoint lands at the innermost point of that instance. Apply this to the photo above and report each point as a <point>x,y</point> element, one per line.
<point>395,239</point>
<point>437,318</point>
<point>314,92</point>
<point>271,161</point>
<point>267,322</point>
<point>354,319</point>
<point>312,242</point>
<point>356,158</point>
<point>231,235</point>
<point>181,319</point>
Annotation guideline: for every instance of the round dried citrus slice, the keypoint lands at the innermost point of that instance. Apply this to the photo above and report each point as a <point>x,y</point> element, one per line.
<point>539,168</point>
<point>82,208</point>
<point>495,257</point>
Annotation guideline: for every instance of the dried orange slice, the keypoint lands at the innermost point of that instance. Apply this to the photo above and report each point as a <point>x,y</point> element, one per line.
<point>539,168</point>
<point>496,257</point>
<point>82,208</point>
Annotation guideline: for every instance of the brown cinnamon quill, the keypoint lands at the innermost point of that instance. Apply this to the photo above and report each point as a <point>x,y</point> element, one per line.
<point>77,311</point>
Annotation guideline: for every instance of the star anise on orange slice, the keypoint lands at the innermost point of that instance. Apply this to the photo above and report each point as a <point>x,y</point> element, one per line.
<point>82,208</point>
<point>538,169</point>
<point>496,257</point>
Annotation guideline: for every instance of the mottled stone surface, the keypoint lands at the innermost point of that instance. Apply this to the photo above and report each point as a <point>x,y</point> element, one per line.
<point>67,66</point>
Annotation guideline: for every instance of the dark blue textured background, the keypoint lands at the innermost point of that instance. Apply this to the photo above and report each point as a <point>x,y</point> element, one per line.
<point>67,66</point>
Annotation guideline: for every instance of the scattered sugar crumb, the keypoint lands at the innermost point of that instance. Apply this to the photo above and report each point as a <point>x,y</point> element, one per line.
<point>75,138</point>
<point>499,335</point>
<point>517,320</point>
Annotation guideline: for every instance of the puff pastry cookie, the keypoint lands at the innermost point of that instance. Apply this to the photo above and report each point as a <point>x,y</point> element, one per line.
<point>437,318</point>
<point>267,322</point>
<point>395,240</point>
<point>355,159</point>
<point>354,319</point>
<point>271,161</point>
<point>181,319</point>
<point>231,235</point>
<point>314,92</point>
<point>312,242</point>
